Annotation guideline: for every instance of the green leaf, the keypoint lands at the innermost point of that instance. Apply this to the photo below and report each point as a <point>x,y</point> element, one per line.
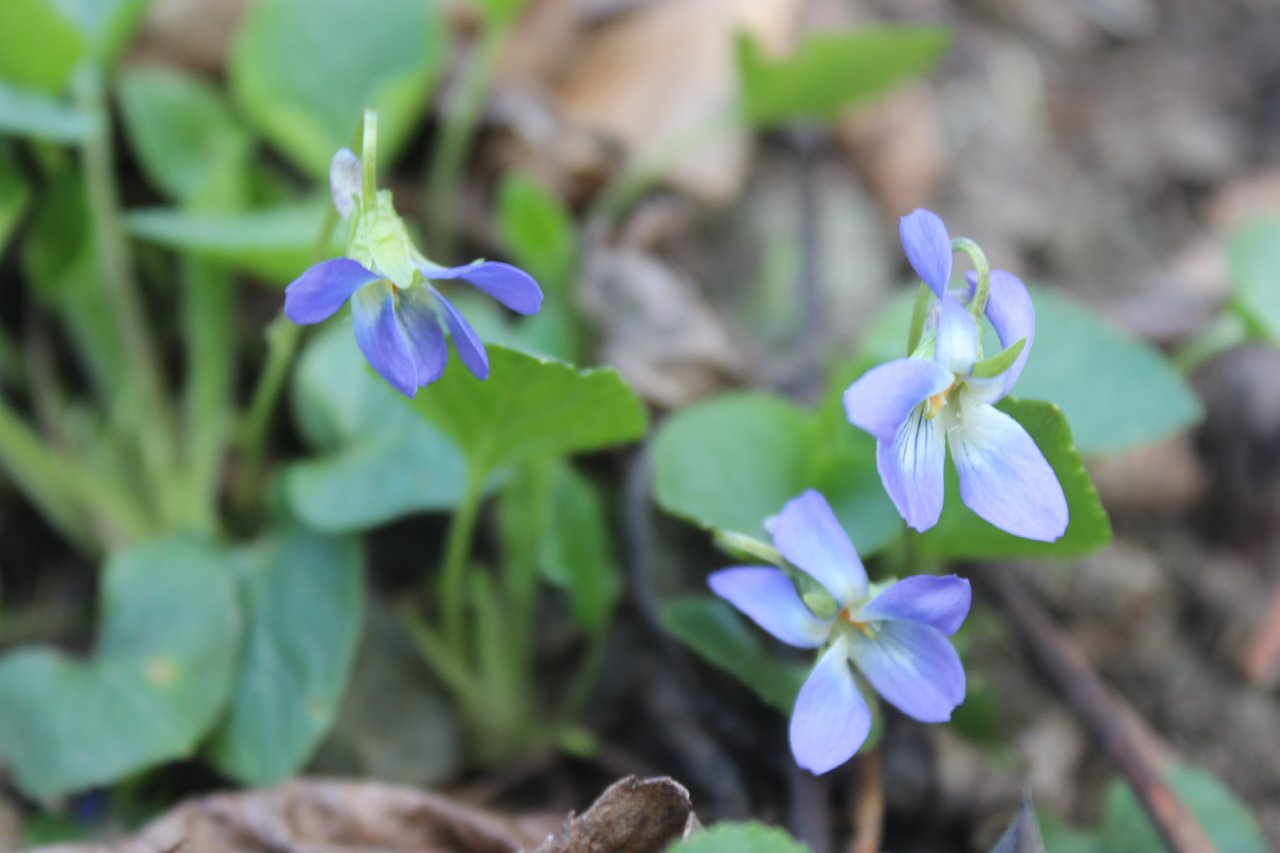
<point>15,194</point>
<point>830,72</point>
<point>531,408</point>
<point>59,264</point>
<point>1228,823</point>
<point>1254,261</point>
<point>749,837</point>
<point>733,461</point>
<point>275,245</point>
<point>182,131</point>
<point>26,112</point>
<point>537,230</point>
<point>39,46</point>
<point>1117,392</point>
<point>576,554</point>
<point>380,462</point>
<point>304,602</point>
<point>1000,362</point>
<point>158,679</point>
<point>499,13</point>
<point>717,634</point>
<point>960,534</point>
<point>304,71</point>
<point>106,25</point>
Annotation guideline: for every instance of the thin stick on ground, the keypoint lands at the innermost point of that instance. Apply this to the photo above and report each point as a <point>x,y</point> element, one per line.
<point>1262,653</point>
<point>868,805</point>
<point>1110,721</point>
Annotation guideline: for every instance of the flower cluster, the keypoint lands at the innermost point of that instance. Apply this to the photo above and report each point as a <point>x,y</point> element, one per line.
<point>944,394</point>
<point>399,316</point>
<point>895,635</point>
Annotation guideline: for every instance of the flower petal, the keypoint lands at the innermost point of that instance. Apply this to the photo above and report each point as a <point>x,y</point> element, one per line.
<point>939,602</point>
<point>420,323</point>
<point>344,181</point>
<point>831,719</point>
<point>465,340</point>
<point>769,598</point>
<point>1004,477</point>
<point>380,338</point>
<point>807,533</point>
<point>914,667</point>
<point>928,247</point>
<point>511,286</point>
<point>882,398</point>
<point>957,342</point>
<point>911,468</point>
<point>319,292</point>
<point>1012,315</point>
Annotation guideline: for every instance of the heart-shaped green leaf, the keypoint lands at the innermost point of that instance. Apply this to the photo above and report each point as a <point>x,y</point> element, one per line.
<point>304,602</point>
<point>158,679</point>
<point>531,408</point>
<point>380,461</point>
<point>731,462</point>
<point>39,45</point>
<point>304,71</point>
<point>183,133</point>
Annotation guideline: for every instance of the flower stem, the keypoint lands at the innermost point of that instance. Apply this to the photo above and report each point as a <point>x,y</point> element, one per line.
<point>158,444</point>
<point>444,174</point>
<point>979,304</point>
<point>369,158</point>
<point>453,571</point>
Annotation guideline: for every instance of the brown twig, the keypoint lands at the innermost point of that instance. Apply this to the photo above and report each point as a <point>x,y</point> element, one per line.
<point>1111,722</point>
<point>868,806</point>
<point>1261,662</point>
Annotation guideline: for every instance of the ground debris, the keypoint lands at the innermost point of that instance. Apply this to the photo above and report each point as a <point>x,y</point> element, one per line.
<point>632,815</point>
<point>323,816</point>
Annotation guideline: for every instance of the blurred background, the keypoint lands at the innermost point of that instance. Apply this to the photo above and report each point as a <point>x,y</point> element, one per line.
<point>1124,152</point>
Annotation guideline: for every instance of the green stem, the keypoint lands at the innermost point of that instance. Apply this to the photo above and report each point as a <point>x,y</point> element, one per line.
<point>444,174</point>
<point>158,444</point>
<point>979,304</point>
<point>369,158</point>
<point>637,178</point>
<point>283,337</point>
<point>457,551</point>
<point>208,302</point>
<point>439,656</point>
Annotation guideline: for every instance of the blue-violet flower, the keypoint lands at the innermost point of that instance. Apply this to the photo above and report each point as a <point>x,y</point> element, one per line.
<point>896,635</point>
<point>396,311</point>
<point>911,404</point>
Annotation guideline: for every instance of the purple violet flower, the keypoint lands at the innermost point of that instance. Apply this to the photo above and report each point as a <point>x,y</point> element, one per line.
<point>896,635</point>
<point>943,390</point>
<point>398,315</point>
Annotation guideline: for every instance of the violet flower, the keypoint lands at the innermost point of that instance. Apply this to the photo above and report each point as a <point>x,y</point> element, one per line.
<point>945,390</point>
<point>398,315</point>
<point>895,635</point>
